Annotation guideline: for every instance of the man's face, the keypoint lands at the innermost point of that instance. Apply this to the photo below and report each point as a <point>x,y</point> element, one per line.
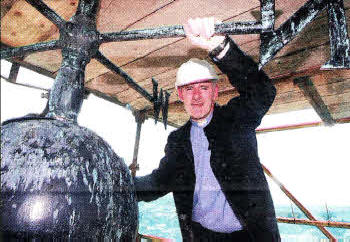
<point>199,98</point>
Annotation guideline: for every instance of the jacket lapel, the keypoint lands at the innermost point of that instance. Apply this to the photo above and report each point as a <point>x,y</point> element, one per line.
<point>211,129</point>
<point>186,141</point>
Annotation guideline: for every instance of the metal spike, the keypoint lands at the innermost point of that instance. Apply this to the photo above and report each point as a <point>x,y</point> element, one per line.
<point>156,104</point>
<point>28,49</point>
<point>160,101</point>
<point>165,109</point>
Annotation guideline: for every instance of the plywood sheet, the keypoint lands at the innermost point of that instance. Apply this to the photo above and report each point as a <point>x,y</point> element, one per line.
<point>119,15</point>
<point>175,13</point>
<point>24,25</point>
<point>5,6</point>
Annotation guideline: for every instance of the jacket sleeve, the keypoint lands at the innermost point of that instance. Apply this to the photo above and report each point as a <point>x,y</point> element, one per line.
<point>159,182</point>
<point>256,91</point>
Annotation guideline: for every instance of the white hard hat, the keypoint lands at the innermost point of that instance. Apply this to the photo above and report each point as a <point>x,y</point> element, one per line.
<point>193,71</point>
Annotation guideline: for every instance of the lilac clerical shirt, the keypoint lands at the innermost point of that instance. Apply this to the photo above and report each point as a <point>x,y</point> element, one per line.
<point>210,207</point>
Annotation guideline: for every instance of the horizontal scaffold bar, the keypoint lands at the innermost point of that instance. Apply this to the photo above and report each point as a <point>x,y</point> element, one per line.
<point>345,225</point>
<point>178,31</point>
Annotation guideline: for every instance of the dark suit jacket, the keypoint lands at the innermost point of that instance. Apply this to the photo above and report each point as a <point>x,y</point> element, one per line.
<point>234,156</point>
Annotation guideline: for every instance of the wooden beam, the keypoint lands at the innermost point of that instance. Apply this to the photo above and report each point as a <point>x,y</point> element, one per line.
<point>315,99</point>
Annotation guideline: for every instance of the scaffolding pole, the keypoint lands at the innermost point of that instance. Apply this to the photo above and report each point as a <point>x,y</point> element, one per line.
<point>140,117</point>
<point>344,225</point>
<point>299,205</point>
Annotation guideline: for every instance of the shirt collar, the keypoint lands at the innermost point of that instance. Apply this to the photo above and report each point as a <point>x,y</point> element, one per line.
<point>203,123</point>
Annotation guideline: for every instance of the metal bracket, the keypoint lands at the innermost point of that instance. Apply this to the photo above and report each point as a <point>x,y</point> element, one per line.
<point>267,11</point>
<point>274,41</point>
<point>338,35</point>
<point>156,99</point>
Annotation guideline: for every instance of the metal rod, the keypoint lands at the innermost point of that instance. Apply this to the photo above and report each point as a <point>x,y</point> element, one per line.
<point>317,223</point>
<point>28,49</point>
<point>88,8</point>
<point>288,127</point>
<point>14,72</point>
<point>338,35</point>
<point>150,238</point>
<point>140,117</point>
<point>67,92</point>
<point>267,9</point>
<point>47,12</point>
<point>178,31</point>
<point>299,126</point>
<point>271,44</point>
<point>136,149</point>
<point>296,202</point>
<point>103,60</point>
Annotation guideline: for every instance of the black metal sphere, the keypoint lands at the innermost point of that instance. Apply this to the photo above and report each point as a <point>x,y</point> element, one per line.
<point>61,180</point>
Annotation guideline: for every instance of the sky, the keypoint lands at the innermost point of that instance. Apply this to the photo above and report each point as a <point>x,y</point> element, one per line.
<point>312,163</point>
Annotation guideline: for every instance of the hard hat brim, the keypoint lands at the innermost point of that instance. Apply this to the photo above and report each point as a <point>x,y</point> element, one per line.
<point>198,81</point>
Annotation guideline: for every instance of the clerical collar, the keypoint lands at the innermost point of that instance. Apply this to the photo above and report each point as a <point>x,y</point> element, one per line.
<point>204,122</point>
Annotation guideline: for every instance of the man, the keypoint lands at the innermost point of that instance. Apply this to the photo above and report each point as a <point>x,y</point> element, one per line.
<point>211,163</point>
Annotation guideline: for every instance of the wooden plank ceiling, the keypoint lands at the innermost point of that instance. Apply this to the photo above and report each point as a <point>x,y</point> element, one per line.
<point>21,25</point>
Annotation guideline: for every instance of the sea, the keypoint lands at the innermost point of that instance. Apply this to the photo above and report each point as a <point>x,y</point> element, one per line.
<point>158,218</point>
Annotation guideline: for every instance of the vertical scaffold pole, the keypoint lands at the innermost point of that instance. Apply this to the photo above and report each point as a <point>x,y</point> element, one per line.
<point>140,117</point>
